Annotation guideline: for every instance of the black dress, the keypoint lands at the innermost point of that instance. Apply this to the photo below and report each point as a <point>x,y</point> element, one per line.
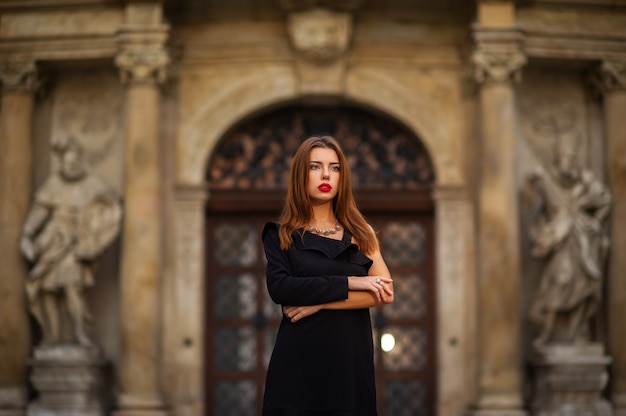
<point>322,364</point>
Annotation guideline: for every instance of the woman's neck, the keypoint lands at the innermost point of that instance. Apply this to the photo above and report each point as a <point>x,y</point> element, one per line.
<point>323,215</point>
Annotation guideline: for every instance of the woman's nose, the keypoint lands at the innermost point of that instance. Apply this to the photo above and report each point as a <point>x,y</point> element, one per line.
<point>325,173</point>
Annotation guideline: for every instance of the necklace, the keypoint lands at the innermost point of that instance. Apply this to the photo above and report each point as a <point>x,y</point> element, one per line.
<point>333,230</point>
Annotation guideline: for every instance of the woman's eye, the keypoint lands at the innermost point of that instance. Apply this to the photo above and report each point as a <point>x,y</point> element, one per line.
<point>314,167</point>
<point>335,168</point>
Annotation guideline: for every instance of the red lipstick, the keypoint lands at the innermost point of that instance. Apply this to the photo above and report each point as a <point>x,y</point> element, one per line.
<point>325,187</point>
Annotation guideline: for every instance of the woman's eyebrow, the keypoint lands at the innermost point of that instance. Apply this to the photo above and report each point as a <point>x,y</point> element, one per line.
<point>331,163</point>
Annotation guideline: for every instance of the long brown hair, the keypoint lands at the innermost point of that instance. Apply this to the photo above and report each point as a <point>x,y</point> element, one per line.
<point>298,210</point>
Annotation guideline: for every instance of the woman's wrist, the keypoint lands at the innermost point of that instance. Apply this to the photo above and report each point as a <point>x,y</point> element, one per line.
<point>350,286</point>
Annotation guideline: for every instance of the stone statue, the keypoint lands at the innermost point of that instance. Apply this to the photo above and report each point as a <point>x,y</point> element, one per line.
<point>569,205</point>
<point>74,217</point>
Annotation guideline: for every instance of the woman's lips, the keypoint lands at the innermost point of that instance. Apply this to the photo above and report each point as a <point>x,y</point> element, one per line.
<point>325,187</point>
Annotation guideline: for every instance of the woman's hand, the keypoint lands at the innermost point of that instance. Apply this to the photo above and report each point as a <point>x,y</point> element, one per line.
<point>295,313</point>
<point>380,286</point>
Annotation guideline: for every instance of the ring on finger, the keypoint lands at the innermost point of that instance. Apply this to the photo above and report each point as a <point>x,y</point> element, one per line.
<point>378,280</point>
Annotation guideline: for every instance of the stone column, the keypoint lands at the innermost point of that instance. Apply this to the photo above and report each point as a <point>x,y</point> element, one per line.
<point>498,60</point>
<point>613,77</point>
<point>142,61</point>
<point>16,148</point>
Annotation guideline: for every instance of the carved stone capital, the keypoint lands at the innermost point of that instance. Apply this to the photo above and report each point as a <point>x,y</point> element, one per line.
<point>498,65</point>
<point>19,75</point>
<point>610,76</point>
<point>143,57</point>
<point>143,66</point>
<point>320,35</point>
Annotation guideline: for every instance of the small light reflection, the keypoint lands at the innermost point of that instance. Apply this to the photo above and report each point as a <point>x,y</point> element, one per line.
<point>387,342</point>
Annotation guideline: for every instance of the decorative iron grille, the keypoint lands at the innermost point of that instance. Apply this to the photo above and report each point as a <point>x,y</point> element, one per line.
<point>382,154</point>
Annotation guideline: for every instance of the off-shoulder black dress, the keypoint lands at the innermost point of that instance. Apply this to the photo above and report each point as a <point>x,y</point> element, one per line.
<point>322,364</point>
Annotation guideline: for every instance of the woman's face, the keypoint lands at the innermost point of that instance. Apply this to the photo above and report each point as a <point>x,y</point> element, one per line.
<point>324,174</point>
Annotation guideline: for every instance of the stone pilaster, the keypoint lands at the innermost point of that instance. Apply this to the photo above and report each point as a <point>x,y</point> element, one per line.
<point>498,59</point>
<point>613,85</point>
<point>19,81</point>
<point>456,296</point>
<point>186,293</point>
<point>142,60</point>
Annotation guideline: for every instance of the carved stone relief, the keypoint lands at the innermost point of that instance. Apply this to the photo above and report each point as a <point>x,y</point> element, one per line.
<point>553,116</point>
<point>320,35</point>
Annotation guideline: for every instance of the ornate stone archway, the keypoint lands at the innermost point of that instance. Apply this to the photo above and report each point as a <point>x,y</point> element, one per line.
<point>212,102</point>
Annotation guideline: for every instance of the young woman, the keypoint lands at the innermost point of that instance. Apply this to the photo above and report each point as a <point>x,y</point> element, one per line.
<point>325,268</point>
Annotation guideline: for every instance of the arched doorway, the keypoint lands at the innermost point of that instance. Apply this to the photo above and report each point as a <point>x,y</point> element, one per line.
<point>247,175</point>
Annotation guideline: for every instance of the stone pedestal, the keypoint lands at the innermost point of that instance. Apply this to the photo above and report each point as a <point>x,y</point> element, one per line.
<point>569,380</point>
<point>68,379</point>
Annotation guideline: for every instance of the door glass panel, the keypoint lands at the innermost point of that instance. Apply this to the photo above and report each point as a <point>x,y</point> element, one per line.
<point>410,352</point>
<point>270,309</point>
<point>409,297</point>
<point>235,349</point>
<point>235,296</point>
<point>235,398</point>
<point>406,398</point>
<point>404,243</point>
<point>235,244</point>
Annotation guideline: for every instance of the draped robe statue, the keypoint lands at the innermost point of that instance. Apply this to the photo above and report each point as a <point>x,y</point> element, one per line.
<point>570,205</point>
<point>73,218</point>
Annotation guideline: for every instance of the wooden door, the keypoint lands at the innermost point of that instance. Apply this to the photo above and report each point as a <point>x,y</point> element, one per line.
<point>242,320</point>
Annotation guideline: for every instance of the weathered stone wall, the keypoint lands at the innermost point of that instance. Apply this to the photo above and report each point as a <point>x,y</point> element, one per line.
<point>413,62</point>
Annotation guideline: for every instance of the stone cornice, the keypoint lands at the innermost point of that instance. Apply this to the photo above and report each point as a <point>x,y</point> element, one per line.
<point>59,34</point>
<point>573,46</point>
<point>19,75</point>
<point>60,49</point>
<point>31,4</point>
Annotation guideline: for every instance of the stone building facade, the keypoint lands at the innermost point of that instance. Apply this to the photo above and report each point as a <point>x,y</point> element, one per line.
<point>189,109</point>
